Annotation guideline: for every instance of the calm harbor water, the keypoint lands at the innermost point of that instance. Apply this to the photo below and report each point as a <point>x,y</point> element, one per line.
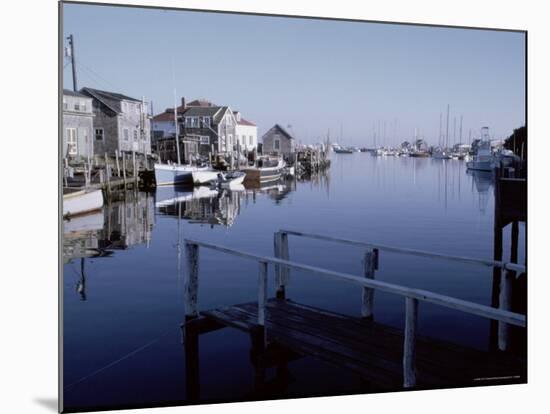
<point>123,274</point>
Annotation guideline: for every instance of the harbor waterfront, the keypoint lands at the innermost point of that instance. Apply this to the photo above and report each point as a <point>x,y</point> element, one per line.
<point>124,275</point>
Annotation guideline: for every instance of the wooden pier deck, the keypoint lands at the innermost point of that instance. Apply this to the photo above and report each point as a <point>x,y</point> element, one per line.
<point>385,358</point>
<point>370,349</point>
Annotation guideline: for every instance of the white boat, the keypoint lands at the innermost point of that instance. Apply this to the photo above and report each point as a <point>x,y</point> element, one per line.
<point>172,174</point>
<point>483,160</point>
<point>267,170</point>
<point>204,175</point>
<point>440,154</point>
<point>231,180</point>
<point>81,201</point>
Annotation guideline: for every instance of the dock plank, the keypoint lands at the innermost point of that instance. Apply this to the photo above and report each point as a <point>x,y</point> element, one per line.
<point>372,350</point>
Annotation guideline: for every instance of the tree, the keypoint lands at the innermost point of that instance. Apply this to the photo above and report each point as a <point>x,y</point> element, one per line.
<point>517,142</point>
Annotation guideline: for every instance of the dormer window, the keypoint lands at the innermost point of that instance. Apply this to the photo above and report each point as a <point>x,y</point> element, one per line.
<point>206,121</point>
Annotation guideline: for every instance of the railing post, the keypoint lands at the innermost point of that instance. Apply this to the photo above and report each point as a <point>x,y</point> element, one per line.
<point>505,303</point>
<point>192,280</point>
<point>281,272</point>
<point>409,345</point>
<point>369,266</point>
<point>262,293</point>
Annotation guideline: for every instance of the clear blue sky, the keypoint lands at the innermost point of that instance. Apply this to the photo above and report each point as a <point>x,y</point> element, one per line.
<point>311,74</point>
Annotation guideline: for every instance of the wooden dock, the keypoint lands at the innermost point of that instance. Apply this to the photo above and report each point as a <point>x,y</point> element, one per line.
<point>384,357</point>
<point>371,350</point>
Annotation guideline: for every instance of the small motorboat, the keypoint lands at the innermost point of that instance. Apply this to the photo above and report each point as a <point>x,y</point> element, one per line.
<point>232,179</point>
<point>81,201</point>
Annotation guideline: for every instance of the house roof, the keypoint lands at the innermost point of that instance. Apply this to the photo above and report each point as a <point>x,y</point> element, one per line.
<point>73,93</point>
<point>110,99</point>
<point>202,111</point>
<point>281,130</point>
<point>166,116</point>
<point>246,122</point>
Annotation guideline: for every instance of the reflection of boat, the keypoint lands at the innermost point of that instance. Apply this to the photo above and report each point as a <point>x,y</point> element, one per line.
<point>483,180</point>
<point>266,170</point>
<point>81,201</point>
<point>173,195</point>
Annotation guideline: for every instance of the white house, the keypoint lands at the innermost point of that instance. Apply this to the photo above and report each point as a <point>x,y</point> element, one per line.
<point>246,132</point>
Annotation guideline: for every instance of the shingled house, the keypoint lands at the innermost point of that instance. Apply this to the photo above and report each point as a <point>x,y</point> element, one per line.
<point>78,121</point>
<point>121,123</point>
<point>278,141</point>
<point>213,127</point>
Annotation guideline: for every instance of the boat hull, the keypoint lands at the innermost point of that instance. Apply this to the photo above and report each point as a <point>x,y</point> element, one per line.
<point>82,202</point>
<point>480,165</point>
<point>172,174</point>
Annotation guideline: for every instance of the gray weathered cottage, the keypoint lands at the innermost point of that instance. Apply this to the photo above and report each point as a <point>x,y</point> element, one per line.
<point>121,123</point>
<point>78,121</point>
<point>278,141</point>
<point>213,127</point>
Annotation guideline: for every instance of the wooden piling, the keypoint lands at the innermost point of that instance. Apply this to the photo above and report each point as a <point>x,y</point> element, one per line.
<point>369,265</point>
<point>262,300</point>
<point>409,345</point>
<point>117,164</point>
<point>124,170</point>
<point>108,173</point>
<point>192,279</point>
<point>134,169</point>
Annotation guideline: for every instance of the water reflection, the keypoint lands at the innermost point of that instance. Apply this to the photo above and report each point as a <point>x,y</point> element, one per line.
<point>122,223</point>
<point>483,182</point>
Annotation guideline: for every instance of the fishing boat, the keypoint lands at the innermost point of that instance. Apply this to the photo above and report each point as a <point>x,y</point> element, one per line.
<point>78,201</point>
<point>483,160</point>
<point>174,174</point>
<point>419,154</point>
<point>178,174</point>
<point>266,170</point>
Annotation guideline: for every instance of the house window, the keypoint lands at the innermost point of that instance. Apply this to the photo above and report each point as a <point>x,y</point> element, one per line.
<point>206,121</point>
<point>135,135</point>
<point>205,140</point>
<point>99,134</point>
<point>65,105</point>
<point>83,106</point>
<point>144,136</point>
<point>250,140</point>
<point>277,144</point>
<point>71,141</point>
<point>126,134</point>
<point>77,106</point>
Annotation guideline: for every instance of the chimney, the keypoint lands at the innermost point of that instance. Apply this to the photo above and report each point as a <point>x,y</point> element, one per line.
<point>182,102</point>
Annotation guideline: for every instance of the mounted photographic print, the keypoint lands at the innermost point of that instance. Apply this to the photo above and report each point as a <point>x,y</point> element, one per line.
<point>262,207</point>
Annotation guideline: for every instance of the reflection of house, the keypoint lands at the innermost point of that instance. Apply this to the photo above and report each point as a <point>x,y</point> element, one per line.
<point>77,125</point>
<point>246,133</point>
<point>278,141</point>
<point>121,123</point>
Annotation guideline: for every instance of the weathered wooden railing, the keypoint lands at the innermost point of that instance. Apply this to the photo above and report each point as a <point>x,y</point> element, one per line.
<point>370,264</point>
<point>412,296</point>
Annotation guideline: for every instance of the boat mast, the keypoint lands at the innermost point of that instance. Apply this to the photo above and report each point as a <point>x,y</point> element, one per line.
<point>177,129</point>
<point>440,126</point>
<point>447,134</point>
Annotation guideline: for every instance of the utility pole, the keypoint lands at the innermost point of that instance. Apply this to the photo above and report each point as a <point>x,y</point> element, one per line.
<point>71,44</point>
